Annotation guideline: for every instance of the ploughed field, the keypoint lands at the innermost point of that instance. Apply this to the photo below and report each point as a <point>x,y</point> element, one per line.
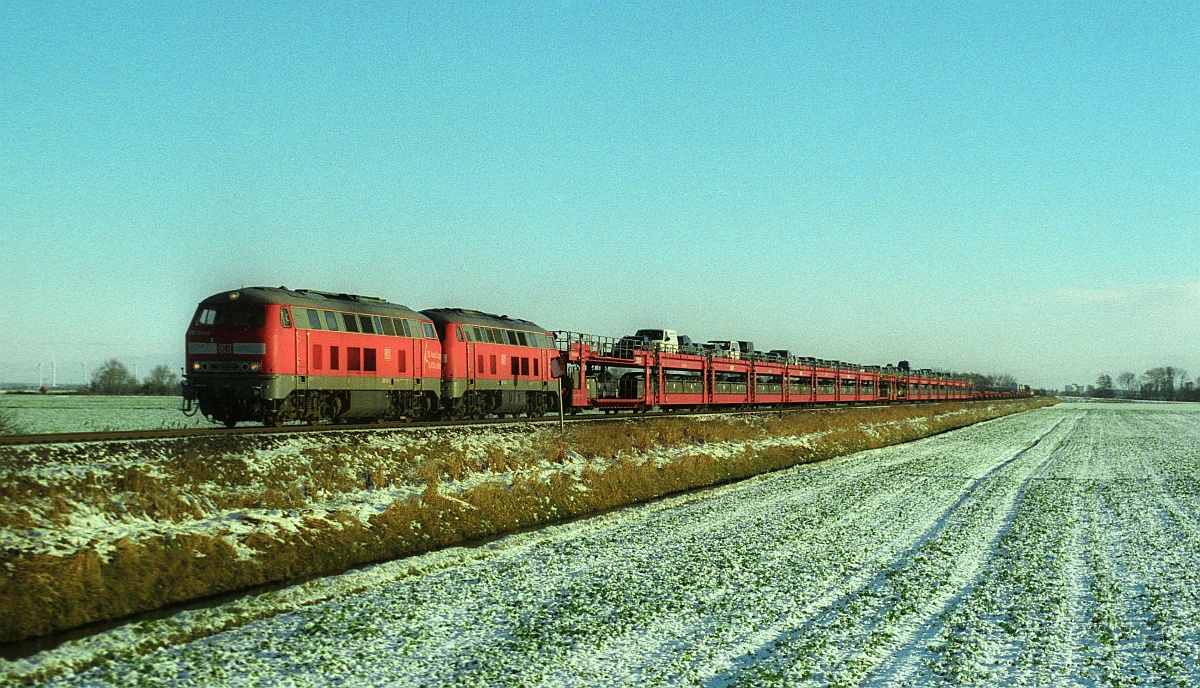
<point>1060,546</point>
<point>53,413</point>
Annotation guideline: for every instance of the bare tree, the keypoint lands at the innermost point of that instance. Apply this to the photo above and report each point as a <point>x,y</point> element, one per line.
<point>161,381</point>
<point>1128,382</point>
<point>1104,387</point>
<point>1159,383</point>
<point>113,378</point>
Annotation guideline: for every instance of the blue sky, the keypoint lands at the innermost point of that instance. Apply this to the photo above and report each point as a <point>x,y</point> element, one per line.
<point>974,186</point>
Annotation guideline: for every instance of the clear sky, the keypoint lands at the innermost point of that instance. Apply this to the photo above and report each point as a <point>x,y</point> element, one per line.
<point>995,187</point>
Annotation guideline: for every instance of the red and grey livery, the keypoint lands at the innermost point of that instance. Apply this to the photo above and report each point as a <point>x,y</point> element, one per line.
<point>275,355</point>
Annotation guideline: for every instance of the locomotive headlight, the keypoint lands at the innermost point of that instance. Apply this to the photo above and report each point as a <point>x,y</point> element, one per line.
<point>254,367</point>
<point>233,295</point>
<point>196,365</point>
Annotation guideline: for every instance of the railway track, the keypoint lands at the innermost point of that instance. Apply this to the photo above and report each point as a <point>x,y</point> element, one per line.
<point>126,435</point>
<point>121,435</point>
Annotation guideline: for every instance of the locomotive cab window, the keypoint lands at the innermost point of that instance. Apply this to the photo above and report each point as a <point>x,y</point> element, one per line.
<point>209,317</point>
<point>522,339</point>
<point>478,335</point>
<point>367,326</point>
<point>378,322</point>
<point>285,319</point>
<point>429,333</point>
<point>331,321</point>
<point>351,322</point>
<point>314,319</point>
<point>458,331</point>
<point>387,327</point>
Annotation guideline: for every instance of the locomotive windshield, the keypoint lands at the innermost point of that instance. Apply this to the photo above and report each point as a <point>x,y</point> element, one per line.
<point>248,316</point>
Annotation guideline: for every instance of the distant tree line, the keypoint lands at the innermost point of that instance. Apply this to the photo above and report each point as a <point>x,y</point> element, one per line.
<point>988,383</point>
<point>114,378</point>
<point>1165,383</point>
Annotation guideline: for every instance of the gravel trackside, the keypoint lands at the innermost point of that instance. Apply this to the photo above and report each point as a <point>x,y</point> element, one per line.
<point>1054,547</point>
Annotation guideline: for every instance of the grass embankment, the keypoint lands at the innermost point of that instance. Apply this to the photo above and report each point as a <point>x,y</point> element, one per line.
<point>95,532</point>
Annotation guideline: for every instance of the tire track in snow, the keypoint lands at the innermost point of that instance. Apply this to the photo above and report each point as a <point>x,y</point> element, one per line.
<point>901,665</point>
<point>765,510</point>
<point>821,611</point>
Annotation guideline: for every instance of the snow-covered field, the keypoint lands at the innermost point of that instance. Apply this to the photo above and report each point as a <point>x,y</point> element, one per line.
<point>50,413</point>
<point>1055,547</point>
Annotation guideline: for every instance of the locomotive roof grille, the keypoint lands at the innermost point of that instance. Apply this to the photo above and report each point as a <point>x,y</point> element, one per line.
<point>368,305</point>
<point>472,317</point>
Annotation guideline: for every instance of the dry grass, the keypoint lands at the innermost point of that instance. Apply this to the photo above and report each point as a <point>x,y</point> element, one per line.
<point>42,593</point>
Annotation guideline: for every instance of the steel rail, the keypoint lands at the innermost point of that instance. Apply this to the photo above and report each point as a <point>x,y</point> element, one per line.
<point>177,433</point>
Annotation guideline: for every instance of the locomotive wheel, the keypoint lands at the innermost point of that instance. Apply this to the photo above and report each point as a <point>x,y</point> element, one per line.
<point>331,406</point>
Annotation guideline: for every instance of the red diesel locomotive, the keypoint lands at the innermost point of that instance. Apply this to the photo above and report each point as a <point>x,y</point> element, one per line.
<point>274,355</point>
<point>494,364</point>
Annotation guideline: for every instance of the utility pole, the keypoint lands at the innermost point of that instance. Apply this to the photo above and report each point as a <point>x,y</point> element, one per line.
<point>53,373</point>
<point>83,381</point>
<point>39,376</point>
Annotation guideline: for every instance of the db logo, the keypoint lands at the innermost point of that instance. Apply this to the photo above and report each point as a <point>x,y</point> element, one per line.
<point>225,348</point>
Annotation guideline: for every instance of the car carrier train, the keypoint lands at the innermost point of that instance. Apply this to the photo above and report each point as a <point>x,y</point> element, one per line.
<point>275,355</point>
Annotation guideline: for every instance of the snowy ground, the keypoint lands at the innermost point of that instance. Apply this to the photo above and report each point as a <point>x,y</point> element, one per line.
<point>1055,547</point>
<point>50,413</point>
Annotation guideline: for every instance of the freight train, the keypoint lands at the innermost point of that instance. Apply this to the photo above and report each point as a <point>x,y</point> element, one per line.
<point>275,355</point>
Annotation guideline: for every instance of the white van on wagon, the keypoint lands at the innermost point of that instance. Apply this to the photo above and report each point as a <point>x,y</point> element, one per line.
<point>661,340</point>
<point>724,348</point>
